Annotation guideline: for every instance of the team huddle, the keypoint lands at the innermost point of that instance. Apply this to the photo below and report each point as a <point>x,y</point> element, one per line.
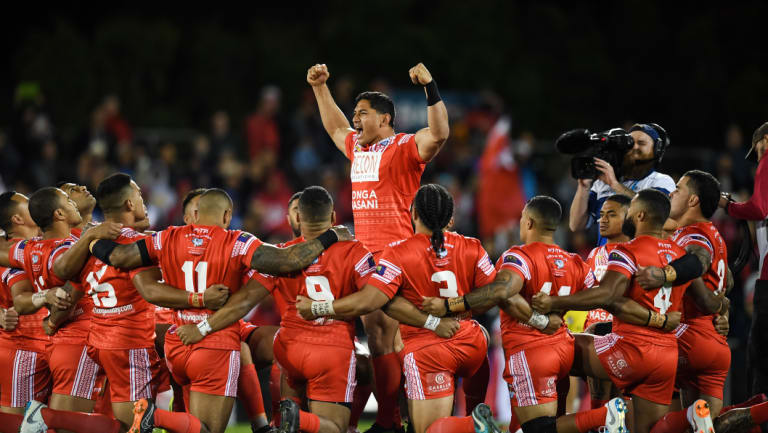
<point>104,322</point>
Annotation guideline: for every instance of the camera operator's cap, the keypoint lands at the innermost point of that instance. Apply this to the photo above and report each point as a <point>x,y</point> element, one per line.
<point>757,136</point>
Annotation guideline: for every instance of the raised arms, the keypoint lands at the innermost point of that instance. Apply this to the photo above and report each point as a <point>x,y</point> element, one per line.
<point>334,121</point>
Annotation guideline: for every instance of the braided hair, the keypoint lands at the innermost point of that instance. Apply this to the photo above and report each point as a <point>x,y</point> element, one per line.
<point>434,206</point>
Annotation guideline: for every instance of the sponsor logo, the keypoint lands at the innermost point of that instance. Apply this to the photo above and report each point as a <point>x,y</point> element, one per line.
<point>559,263</point>
<point>512,259</point>
<point>35,259</point>
<point>365,167</point>
<point>364,199</point>
<point>439,382</point>
<point>197,242</point>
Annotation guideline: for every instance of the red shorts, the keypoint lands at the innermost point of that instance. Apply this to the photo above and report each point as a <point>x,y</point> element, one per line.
<point>25,376</point>
<point>327,371</point>
<point>703,360</point>
<point>597,316</point>
<point>163,315</point>
<point>638,367</point>
<point>245,330</point>
<point>132,373</point>
<point>74,372</point>
<point>430,370</point>
<point>209,371</point>
<point>533,372</point>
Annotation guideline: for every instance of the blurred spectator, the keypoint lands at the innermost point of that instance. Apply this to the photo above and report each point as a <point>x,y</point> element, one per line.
<point>261,128</point>
<point>114,122</point>
<point>222,138</point>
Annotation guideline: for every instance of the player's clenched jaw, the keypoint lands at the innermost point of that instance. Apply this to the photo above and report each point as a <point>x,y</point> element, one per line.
<point>373,118</point>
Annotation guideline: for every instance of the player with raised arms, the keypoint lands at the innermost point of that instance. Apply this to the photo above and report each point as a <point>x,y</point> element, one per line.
<point>386,172</point>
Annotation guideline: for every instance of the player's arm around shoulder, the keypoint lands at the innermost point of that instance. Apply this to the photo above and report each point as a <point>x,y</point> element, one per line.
<point>431,139</point>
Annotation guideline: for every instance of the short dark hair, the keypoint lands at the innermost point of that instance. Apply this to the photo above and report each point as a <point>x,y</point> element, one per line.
<point>315,204</point>
<point>655,204</point>
<point>112,191</point>
<point>191,195</point>
<point>546,210</point>
<point>293,198</point>
<point>380,102</point>
<point>707,188</point>
<point>434,206</point>
<point>621,199</point>
<point>7,209</point>
<point>211,196</point>
<point>42,204</point>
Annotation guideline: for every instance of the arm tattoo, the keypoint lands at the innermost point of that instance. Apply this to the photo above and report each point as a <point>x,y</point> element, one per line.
<point>270,259</point>
<point>488,295</point>
<point>702,254</point>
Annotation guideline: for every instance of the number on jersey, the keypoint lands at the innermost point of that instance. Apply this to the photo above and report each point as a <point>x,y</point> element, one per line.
<point>452,289</point>
<point>562,291</point>
<point>720,277</point>
<point>319,288</point>
<point>93,279</point>
<point>189,276</point>
<point>662,299</point>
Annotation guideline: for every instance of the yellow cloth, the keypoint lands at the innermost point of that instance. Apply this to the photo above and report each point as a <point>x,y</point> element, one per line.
<point>575,320</point>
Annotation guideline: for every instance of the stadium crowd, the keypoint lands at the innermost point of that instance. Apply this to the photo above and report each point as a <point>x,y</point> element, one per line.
<point>242,174</point>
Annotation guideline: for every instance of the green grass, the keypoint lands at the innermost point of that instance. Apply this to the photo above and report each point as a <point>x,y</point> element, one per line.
<point>246,428</point>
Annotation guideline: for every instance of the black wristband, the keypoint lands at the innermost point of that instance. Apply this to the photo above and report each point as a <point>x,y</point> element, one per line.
<point>687,268</point>
<point>663,325</point>
<point>467,307</point>
<point>649,318</point>
<point>328,238</point>
<point>142,245</point>
<point>447,307</point>
<point>102,249</point>
<point>433,95</point>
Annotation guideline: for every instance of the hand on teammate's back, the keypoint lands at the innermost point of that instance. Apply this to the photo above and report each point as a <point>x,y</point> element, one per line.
<point>215,296</point>
<point>342,233</point>
<point>317,75</point>
<point>304,307</point>
<point>9,319</point>
<point>105,230</point>
<point>433,306</point>
<point>189,334</point>
<point>722,325</point>
<point>447,327</point>
<point>420,75</point>
<point>649,277</point>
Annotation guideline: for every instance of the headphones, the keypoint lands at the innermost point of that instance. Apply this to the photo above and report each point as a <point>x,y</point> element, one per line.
<point>658,135</point>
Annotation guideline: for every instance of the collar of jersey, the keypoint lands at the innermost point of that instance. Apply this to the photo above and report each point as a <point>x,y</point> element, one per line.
<point>360,148</point>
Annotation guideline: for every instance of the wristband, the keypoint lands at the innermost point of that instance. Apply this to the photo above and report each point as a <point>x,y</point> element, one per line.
<point>431,322</point>
<point>195,300</point>
<point>102,248</point>
<point>670,275</point>
<point>456,305</point>
<point>328,238</point>
<point>38,299</point>
<point>433,95</point>
<point>447,306</point>
<point>663,325</point>
<point>656,320</point>
<point>322,308</point>
<point>204,327</point>
<point>649,318</point>
<point>141,244</point>
<point>687,268</point>
<point>538,320</point>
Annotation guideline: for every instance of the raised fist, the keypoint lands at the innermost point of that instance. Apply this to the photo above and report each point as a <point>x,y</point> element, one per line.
<point>317,75</point>
<point>419,75</point>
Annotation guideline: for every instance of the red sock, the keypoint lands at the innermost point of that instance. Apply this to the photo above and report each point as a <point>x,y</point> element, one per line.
<point>308,422</point>
<point>249,391</point>
<point>597,403</point>
<point>79,421</point>
<point>672,422</point>
<point>452,424</point>
<point>386,369</point>
<point>475,387</point>
<point>759,413</point>
<point>177,422</point>
<point>11,421</point>
<point>591,419</point>
<point>514,423</point>
<point>274,390</point>
<point>359,400</point>
<point>755,399</point>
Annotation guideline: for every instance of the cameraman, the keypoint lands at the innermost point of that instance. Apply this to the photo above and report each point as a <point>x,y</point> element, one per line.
<point>756,209</point>
<point>639,163</point>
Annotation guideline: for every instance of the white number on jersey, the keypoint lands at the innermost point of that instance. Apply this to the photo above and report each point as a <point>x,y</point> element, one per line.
<point>108,301</point>
<point>202,276</point>
<point>562,291</point>
<point>447,277</point>
<point>661,300</point>
<point>720,277</point>
<point>319,288</point>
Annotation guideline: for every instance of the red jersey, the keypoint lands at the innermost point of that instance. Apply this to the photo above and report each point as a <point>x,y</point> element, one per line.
<point>598,263</point>
<point>122,319</point>
<point>29,334</point>
<point>647,251</point>
<point>339,271</point>
<point>37,256</point>
<point>705,235</point>
<point>194,257</point>
<point>543,268</point>
<point>411,269</point>
<point>385,177</point>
